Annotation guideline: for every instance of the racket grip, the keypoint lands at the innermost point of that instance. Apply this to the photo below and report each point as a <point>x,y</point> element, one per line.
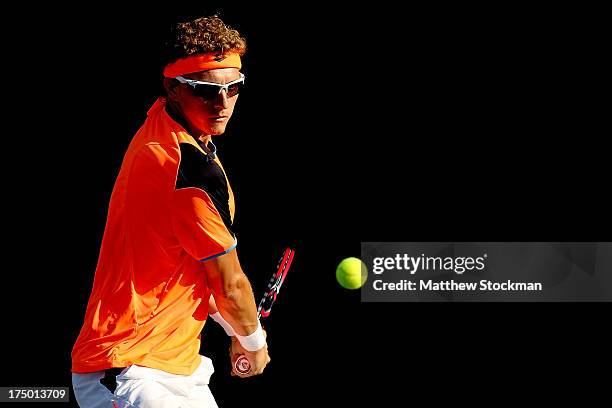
<point>242,365</point>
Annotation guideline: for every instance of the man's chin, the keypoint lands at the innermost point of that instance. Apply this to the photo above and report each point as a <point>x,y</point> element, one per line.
<point>213,129</point>
<point>217,130</point>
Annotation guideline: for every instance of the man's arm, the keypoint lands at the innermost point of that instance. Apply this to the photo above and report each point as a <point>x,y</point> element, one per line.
<point>204,235</point>
<point>232,292</point>
<point>233,299</point>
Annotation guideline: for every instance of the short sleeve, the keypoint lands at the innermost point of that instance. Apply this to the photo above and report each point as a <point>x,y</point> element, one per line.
<point>199,226</point>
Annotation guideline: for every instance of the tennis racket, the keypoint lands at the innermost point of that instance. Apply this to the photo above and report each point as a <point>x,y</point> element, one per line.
<point>242,364</point>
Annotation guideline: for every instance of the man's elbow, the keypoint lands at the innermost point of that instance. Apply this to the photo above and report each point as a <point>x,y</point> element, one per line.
<point>235,288</point>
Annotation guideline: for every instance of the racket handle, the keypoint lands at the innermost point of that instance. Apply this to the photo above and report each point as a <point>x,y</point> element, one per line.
<point>242,365</point>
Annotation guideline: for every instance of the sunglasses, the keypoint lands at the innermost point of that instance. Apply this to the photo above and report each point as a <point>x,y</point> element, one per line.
<point>210,90</point>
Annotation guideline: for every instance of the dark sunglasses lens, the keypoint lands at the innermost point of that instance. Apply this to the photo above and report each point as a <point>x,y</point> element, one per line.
<point>206,91</point>
<point>234,89</point>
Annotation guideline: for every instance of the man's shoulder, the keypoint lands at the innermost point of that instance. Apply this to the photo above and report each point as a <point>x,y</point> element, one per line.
<point>155,153</point>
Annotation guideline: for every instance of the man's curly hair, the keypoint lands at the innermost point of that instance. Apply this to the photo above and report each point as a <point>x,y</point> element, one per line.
<point>202,35</point>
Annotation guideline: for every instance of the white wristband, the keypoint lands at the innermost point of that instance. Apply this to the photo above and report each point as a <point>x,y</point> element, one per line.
<point>254,341</point>
<point>226,326</point>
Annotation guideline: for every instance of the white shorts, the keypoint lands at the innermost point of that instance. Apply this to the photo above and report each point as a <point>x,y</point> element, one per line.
<point>144,387</point>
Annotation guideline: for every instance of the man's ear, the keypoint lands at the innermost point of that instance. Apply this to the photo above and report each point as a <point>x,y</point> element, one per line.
<point>171,87</point>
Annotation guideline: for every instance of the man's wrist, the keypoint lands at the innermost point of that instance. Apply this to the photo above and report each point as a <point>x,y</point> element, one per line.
<point>254,341</point>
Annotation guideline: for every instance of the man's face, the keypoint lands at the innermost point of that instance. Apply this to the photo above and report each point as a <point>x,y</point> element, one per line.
<point>207,116</point>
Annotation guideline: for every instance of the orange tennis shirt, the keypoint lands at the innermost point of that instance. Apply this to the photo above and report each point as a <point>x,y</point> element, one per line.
<point>171,208</point>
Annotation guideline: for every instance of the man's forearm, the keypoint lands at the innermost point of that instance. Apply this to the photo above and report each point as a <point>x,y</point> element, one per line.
<point>232,292</point>
<point>236,304</point>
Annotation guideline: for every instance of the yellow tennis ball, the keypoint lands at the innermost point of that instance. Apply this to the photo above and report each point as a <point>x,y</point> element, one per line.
<point>351,273</point>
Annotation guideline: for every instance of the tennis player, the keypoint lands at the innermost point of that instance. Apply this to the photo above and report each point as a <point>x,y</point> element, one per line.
<point>168,244</point>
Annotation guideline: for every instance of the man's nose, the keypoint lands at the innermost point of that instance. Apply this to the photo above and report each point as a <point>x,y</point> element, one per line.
<point>221,101</point>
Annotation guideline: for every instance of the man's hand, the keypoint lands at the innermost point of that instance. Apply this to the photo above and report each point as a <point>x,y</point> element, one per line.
<point>259,359</point>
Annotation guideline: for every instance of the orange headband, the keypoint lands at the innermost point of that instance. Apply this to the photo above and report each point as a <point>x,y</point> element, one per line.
<point>202,62</point>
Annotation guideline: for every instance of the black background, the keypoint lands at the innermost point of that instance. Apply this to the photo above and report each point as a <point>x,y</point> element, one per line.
<point>360,124</point>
